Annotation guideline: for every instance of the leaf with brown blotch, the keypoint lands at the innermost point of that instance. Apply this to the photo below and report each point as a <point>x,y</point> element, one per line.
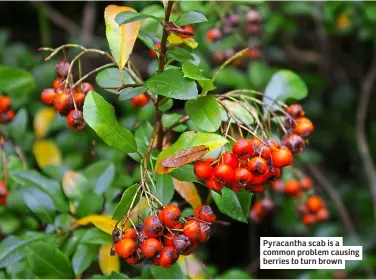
<point>185,156</point>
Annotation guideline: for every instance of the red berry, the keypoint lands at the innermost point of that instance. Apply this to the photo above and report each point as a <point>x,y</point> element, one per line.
<point>192,230</point>
<point>85,88</point>
<point>151,247</point>
<point>167,257</point>
<point>170,215</point>
<point>125,247</point>
<point>153,53</point>
<point>186,28</point>
<point>168,239</point>
<point>213,35</point>
<point>203,170</point>
<point>134,259</point>
<point>75,120</point>
<point>58,83</point>
<point>243,177</point>
<point>3,193</point>
<point>309,219</point>
<point>303,127</point>
<point>292,188</point>
<point>322,215</point>
<point>204,232</point>
<point>48,95</point>
<point>205,213</point>
<point>130,233</point>
<point>229,159</point>
<point>224,174</point>
<point>153,227</point>
<point>278,186</point>
<point>257,165</point>
<point>214,185</point>
<point>5,103</point>
<point>255,188</point>
<point>306,183</point>
<point>63,102</point>
<point>281,157</point>
<point>139,101</point>
<point>242,149</point>
<point>79,98</point>
<point>265,152</point>
<point>258,179</point>
<point>295,111</point>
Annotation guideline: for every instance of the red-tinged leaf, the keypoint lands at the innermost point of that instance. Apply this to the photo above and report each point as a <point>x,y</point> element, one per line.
<point>188,191</point>
<point>185,156</point>
<point>121,39</point>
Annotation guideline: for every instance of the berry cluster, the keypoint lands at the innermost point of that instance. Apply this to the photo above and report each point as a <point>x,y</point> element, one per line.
<point>66,100</point>
<point>313,210</point>
<point>253,162</point>
<point>3,193</point>
<point>293,188</point>
<point>249,25</point>
<point>6,113</point>
<point>161,239</point>
<point>260,209</point>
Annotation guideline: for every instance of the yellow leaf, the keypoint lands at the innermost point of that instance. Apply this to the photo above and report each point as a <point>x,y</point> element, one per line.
<point>108,263</point>
<point>174,39</point>
<point>190,42</point>
<point>191,266</point>
<point>102,222</point>
<point>42,121</point>
<point>46,153</point>
<point>188,191</point>
<point>121,39</point>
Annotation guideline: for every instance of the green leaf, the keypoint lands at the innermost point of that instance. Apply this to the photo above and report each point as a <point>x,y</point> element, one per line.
<point>96,236</point>
<point>12,247</point>
<point>207,85</point>
<point>84,255</point>
<point>184,173</point>
<point>127,17</point>
<point>142,134</point>
<point>15,81</point>
<point>63,222</point>
<point>234,204</point>
<point>147,41</point>
<point>19,270</point>
<point>111,78</point>
<point>126,200</point>
<point>39,203</point>
<point>227,42</point>
<point>169,119</point>
<point>190,18</point>
<point>258,74</point>
<point>239,111</point>
<point>75,185</point>
<point>100,174</point>
<point>174,272</point>
<point>9,223</point>
<point>234,273</point>
<point>190,139</point>
<point>179,54</point>
<point>165,188</point>
<point>129,93</point>
<point>171,83</point>
<point>283,85</point>
<point>204,112</point>
<point>193,72</point>
<point>48,262</point>
<point>166,104</point>
<point>100,116</point>
<point>90,203</point>
<point>238,79</point>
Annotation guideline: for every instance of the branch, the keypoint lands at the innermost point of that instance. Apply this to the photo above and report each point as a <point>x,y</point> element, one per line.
<point>88,22</point>
<point>361,114</point>
<point>179,121</point>
<point>333,194</point>
<point>162,62</point>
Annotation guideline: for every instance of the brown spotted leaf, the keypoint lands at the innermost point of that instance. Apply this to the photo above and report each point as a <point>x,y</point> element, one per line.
<point>185,156</point>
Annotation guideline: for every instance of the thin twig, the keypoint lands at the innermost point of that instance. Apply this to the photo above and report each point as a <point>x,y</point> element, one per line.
<point>175,124</point>
<point>93,72</point>
<point>361,115</point>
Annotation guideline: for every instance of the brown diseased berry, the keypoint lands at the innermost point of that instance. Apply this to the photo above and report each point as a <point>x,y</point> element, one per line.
<point>62,68</point>
<point>205,213</point>
<point>170,215</point>
<point>75,120</point>
<point>153,227</point>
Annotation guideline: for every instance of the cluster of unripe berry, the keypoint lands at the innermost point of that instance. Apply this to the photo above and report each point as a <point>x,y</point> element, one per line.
<point>3,193</point>
<point>6,112</point>
<point>163,238</point>
<point>66,100</point>
<point>249,25</point>
<point>313,210</point>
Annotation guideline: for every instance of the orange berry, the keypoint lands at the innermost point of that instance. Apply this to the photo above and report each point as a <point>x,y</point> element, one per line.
<point>134,259</point>
<point>189,29</point>
<point>282,157</point>
<point>170,215</point>
<point>322,215</point>
<point>314,203</point>
<point>79,98</point>
<point>58,83</point>
<point>295,111</point>
<point>303,127</point>
<point>75,120</point>
<point>153,227</point>
<point>167,257</point>
<point>242,149</point>
<point>48,95</point>
<point>139,101</point>
<point>309,219</point>
<point>306,183</point>
<point>213,35</point>
<point>125,247</point>
<point>168,239</point>
<point>257,165</point>
<point>192,230</point>
<point>151,247</point>
<point>224,174</point>
<point>5,103</point>
<point>292,187</point>
<point>130,233</point>
<point>243,177</point>
<point>205,213</point>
